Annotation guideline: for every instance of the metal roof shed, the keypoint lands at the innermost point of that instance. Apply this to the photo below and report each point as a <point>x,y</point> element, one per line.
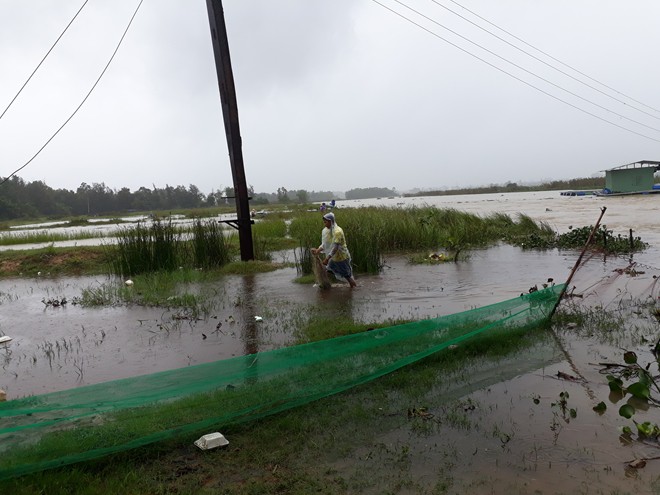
<point>632,177</point>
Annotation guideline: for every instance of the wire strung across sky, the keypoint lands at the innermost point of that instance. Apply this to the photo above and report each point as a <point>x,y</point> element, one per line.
<point>98,79</point>
<point>420,26</point>
<point>586,100</point>
<point>544,53</point>
<point>43,59</point>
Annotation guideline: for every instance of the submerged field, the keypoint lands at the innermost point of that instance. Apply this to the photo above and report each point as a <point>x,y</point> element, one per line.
<point>485,418</point>
<point>513,415</point>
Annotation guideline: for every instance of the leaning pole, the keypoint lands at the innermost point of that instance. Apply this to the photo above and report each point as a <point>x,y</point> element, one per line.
<point>232,130</point>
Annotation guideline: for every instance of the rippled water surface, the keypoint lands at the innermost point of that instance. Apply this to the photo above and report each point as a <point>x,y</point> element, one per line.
<point>520,446</point>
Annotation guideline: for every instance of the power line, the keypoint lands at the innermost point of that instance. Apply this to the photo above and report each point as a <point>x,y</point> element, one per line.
<point>512,75</point>
<point>550,56</point>
<point>43,59</point>
<point>527,71</point>
<point>546,63</point>
<point>84,99</point>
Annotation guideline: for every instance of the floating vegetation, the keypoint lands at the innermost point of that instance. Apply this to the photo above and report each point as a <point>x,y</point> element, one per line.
<point>603,240</point>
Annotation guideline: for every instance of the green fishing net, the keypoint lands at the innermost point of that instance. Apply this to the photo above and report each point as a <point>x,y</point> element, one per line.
<point>60,428</point>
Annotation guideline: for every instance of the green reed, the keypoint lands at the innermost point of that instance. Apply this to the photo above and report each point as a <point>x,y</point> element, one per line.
<point>162,247</point>
<point>211,248</point>
<point>42,236</point>
<point>270,227</point>
<point>373,231</point>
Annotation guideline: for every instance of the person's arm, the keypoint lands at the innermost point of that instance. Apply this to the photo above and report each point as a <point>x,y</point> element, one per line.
<point>335,247</point>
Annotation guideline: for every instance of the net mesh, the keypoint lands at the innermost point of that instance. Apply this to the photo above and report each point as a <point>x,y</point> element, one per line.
<point>60,428</point>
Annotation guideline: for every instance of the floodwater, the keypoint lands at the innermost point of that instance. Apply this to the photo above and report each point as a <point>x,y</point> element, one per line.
<point>519,446</point>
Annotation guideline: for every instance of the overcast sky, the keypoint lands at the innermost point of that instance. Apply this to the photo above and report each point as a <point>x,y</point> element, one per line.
<point>332,94</point>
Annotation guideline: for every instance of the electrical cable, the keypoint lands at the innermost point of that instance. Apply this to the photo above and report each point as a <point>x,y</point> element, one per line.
<point>514,76</point>
<point>548,64</point>
<point>84,99</point>
<point>43,59</point>
<point>555,59</point>
<point>525,70</point>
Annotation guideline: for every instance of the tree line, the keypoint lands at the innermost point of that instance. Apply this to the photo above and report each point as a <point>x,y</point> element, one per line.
<point>23,199</point>
<point>584,183</point>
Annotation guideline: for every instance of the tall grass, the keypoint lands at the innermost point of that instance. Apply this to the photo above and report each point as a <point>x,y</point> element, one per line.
<point>306,229</point>
<point>373,231</point>
<point>42,236</point>
<point>273,227</point>
<point>210,247</point>
<point>162,247</point>
<point>267,235</point>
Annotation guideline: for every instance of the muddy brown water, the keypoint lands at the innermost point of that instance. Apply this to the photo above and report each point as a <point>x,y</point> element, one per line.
<point>505,441</point>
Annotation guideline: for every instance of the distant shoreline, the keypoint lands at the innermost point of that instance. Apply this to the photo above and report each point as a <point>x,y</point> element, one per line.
<point>585,184</point>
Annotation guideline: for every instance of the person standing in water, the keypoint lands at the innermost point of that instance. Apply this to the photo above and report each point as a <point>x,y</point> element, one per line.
<point>333,244</point>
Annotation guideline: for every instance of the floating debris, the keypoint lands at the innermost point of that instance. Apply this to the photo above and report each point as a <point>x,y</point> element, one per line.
<point>55,302</point>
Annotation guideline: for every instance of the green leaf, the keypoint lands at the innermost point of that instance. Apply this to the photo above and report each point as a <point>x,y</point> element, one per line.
<point>626,411</point>
<point>601,407</point>
<point>573,413</point>
<point>644,378</point>
<point>630,357</point>
<point>616,384</point>
<point>640,390</point>
<point>647,429</point>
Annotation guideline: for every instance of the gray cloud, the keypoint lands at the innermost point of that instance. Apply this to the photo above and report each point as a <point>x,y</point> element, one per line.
<point>332,94</point>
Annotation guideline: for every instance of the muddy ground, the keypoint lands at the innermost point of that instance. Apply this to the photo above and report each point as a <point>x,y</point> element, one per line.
<point>497,427</point>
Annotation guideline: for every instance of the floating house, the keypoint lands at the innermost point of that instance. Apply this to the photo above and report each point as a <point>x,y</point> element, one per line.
<point>632,178</point>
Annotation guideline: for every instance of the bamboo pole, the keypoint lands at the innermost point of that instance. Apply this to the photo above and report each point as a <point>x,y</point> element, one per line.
<point>579,260</point>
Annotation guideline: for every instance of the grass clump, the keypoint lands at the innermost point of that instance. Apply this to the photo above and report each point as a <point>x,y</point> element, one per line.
<point>603,240</point>
<point>210,246</point>
<point>181,289</point>
<point>375,231</point>
<point>162,247</point>
<point>43,236</point>
<point>51,261</point>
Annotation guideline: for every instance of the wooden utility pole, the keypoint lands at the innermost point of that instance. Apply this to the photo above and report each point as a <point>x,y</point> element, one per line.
<point>232,130</point>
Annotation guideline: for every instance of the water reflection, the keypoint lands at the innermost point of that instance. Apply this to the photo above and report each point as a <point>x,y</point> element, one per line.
<point>125,341</point>
<point>249,331</point>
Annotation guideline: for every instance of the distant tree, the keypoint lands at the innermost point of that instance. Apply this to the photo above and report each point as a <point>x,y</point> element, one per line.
<point>262,198</point>
<point>143,200</point>
<point>370,192</point>
<point>123,199</point>
<point>321,196</point>
<point>229,196</point>
<point>302,196</point>
<point>283,195</point>
<point>210,200</point>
